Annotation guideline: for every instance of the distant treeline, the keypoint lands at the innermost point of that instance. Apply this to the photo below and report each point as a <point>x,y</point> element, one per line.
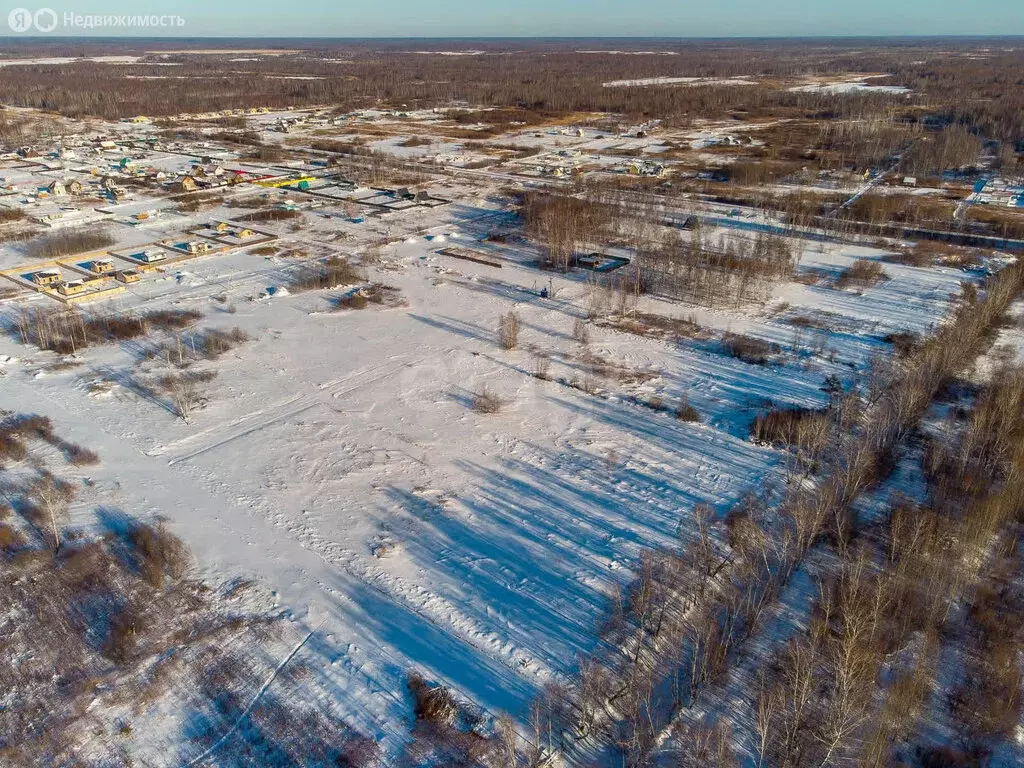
<point>979,88</point>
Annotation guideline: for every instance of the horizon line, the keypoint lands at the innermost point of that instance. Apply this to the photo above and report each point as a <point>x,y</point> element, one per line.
<point>645,38</point>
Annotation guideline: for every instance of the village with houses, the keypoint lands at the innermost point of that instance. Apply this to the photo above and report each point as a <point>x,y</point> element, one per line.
<point>139,181</point>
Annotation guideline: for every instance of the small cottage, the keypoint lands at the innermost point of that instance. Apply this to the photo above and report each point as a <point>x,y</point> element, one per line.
<point>195,246</point>
<point>71,288</point>
<point>47,277</point>
<point>128,276</point>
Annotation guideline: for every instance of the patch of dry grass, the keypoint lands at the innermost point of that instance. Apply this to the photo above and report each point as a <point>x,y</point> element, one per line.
<point>375,294</point>
<point>863,273</point>
<point>486,402</point>
<point>750,349</point>
<point>656,326</point>
<point>333,272</point>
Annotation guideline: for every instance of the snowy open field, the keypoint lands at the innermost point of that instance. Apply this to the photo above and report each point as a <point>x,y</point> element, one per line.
<point>340,462</point>
<point>562,403</point>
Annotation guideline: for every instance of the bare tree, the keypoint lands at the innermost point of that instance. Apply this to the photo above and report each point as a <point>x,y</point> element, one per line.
<point>185,391</point>
<point>542,365</point>
<point>508,330</point>
<point>768,704</point>
<point>507,752</point>
<point>706,746</point>
<point>52,497</point>
<point>580,332</point>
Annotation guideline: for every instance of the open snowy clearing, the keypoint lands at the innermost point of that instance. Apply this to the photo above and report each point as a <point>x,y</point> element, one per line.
<point>340,460</point>
<point>53,60</point>
<point>679,81</point>
<point>849,85</point>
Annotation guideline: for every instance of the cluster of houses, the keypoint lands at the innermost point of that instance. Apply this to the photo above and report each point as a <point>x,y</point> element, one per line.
<point>67,216</point>
<point>646,168</point>
<point>324,119</point>
<point>560,170</point>
<point>240,112</point>
<point>102,167</point>
<point>227,230</point>
<point>1001,191</point>
<point>634,168</point>
<point>293,123</point>
<point>207,173</point>
<point>100,270</point>
<point>288,124</point>
<point>577,132</point>
<point>58,188</point>
<point>66,183</point>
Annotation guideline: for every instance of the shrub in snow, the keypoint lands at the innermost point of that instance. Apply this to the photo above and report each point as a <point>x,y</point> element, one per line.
<point>432,704</point>
<point>508,331</point>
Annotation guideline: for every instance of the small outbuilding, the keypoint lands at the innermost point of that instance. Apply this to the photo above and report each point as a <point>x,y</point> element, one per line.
<point>128,276</point>
<point>47,277</point>
<point>149,257</point>
<point>195,246</point>
<point>71,288</point>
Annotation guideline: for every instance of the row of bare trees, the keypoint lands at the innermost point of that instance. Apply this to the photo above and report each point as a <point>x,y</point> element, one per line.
<point>64,243</point>
<point>951,148</point>
<point>563,223</point>
<point>859,683</point>
<point>666,262</point>
<point>691,608</point>
<point>69,330</point>
<point>733,272</point>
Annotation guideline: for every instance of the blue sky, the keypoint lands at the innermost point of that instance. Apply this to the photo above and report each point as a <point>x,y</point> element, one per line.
<point>569,18</point>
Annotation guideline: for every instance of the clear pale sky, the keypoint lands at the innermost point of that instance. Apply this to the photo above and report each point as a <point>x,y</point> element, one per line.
<point>555,18</point>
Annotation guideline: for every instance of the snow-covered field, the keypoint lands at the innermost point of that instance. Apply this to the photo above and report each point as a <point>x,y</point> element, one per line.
<point>850,85</point>
<point>679,81</point>
<point>340,461</point>
<point>850,88</point>
<point>54,60</point>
